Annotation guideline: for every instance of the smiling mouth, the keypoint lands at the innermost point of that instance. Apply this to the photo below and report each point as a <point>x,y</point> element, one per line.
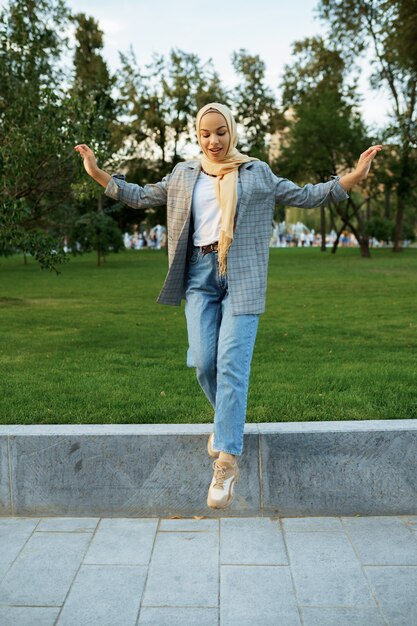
<point>218,150</point>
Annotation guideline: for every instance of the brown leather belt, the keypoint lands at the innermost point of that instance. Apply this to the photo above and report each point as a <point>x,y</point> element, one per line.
<point>210,247</point>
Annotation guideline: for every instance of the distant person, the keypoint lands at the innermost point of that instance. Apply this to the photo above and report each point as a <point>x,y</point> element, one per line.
<point>220,210</point>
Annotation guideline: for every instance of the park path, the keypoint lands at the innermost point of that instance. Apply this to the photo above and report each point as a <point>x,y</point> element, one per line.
<point>234,571</point>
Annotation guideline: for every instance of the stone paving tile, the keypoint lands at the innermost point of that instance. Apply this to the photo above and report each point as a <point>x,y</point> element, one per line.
<point>68,524</point>
<point>122,541</point>
<point>178,616</point>
<point>381,540</point>
<point>105,595</point>
<point>396,591</point>
<point>251,541</point>
<point>173,569</point>
<point>326,570</point>
<point>257,595</point>
<point>188,524</point>
<point>44,569</point>
<point>14,533</point>
<point>341,616</point>
<point>184,570</point>
<point>293,524</point>
<point>410,521</point>
<point>28,616</point>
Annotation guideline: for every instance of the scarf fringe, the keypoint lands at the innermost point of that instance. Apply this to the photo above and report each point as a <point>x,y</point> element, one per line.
<point>223,249</point>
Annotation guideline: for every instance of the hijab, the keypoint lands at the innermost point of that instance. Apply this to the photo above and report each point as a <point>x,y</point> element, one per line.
<point>226,173</point>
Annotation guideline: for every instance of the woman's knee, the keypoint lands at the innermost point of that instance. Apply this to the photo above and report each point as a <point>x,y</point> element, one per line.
<point>206,368</point>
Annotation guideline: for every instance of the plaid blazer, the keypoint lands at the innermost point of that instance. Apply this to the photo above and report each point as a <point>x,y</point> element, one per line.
<point>247,260</point>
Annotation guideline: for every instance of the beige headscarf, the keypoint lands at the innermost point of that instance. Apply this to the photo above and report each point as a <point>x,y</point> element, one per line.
<point>226,172</point>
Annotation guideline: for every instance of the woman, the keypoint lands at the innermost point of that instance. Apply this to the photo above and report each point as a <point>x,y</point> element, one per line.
<point>220,208</point>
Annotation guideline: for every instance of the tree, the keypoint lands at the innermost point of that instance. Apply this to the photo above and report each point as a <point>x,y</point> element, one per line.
<point>95,231</point>
<point>326,133</point>
<point>36,164</point>
<point>92,89</point>
<point>254,103</point>
<point>387,28</point>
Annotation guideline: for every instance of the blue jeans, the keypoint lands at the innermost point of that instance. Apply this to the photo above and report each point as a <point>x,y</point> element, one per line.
<point>220,348</point>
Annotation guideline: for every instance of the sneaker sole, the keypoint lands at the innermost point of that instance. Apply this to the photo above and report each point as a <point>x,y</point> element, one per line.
<point>210,450</point>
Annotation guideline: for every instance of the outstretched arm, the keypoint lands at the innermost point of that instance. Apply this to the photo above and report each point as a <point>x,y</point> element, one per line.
<point>116,187</point>
<point>311,196</point>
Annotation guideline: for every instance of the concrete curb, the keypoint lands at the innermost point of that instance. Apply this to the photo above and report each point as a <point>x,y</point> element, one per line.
<point>163,470</point>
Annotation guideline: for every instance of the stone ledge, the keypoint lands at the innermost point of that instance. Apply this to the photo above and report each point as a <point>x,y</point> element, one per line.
<point>160,470</point>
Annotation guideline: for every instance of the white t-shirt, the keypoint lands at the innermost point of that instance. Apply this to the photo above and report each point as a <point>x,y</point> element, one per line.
<point>206,210</point>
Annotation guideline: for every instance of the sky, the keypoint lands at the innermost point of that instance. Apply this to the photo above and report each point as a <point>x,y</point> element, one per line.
<point>214,29</point>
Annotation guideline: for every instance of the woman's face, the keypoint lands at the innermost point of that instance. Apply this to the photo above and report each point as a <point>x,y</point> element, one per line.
<point>214,135</point>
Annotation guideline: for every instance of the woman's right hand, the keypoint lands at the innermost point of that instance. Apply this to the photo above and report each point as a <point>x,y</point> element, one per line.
<point>90,161</point>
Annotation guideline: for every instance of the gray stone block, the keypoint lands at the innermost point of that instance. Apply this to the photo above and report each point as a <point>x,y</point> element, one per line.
<point>319,524</point>
<point>14,533</point>
<point>122,475</point>
<point>163,470</point>
<point>396,592</point>
<point>104,594</point>
<point>326,570</point>
<point>381,540</point>
<point>183,570</point>
<point>181,616</point>
<point>122,542</point>
<point>259,594</point>
<point>42,573</point>
<point>341,616</point>
<point>197,525</point>
<point>68,524</point>
<point>28,615</point>
<point>6,507</point>
<point>339,473</point>
<point>251,541</point>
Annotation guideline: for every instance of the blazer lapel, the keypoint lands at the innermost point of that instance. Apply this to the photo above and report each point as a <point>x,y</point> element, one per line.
<point>191,174</point>
<point>247,180</point>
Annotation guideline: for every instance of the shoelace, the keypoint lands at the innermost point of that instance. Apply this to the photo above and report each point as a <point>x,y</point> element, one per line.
<point>219,474</point>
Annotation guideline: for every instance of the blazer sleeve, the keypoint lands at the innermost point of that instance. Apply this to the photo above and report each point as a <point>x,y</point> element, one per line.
<point>309,196</point>
<point>151,195</point>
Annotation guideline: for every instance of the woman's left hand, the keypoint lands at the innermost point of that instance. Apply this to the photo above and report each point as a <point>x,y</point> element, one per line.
<point>365,160</point>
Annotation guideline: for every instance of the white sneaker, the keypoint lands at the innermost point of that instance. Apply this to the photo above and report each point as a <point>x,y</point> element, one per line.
<point>222,487</point>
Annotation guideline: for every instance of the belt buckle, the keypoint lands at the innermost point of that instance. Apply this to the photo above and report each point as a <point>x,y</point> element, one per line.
<point>208,248</point>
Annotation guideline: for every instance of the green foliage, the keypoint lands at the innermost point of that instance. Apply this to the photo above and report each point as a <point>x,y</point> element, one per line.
<point>380,228</point>
<point>386,28</point>
<point>383,229</point>
<point>254,104</point>
<point>95,231</point>
<point>326,132</point>
<point>35,162</point>
<point>159,103</point>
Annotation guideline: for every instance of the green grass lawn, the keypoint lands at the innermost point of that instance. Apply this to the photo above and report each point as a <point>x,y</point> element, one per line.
<point>337,341</point>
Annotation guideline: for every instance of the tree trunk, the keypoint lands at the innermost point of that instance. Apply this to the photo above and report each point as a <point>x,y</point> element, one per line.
<point>323,229</point>
<point>387,207</point>
<point>368,209</point>
<point>402,196</point>
<point>363,241</point>
<point>397,247</point>
<point>364,247</point>
<point>336,241</point>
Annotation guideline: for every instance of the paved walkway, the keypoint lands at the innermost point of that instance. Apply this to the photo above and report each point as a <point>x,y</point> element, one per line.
<point>311,571</point>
